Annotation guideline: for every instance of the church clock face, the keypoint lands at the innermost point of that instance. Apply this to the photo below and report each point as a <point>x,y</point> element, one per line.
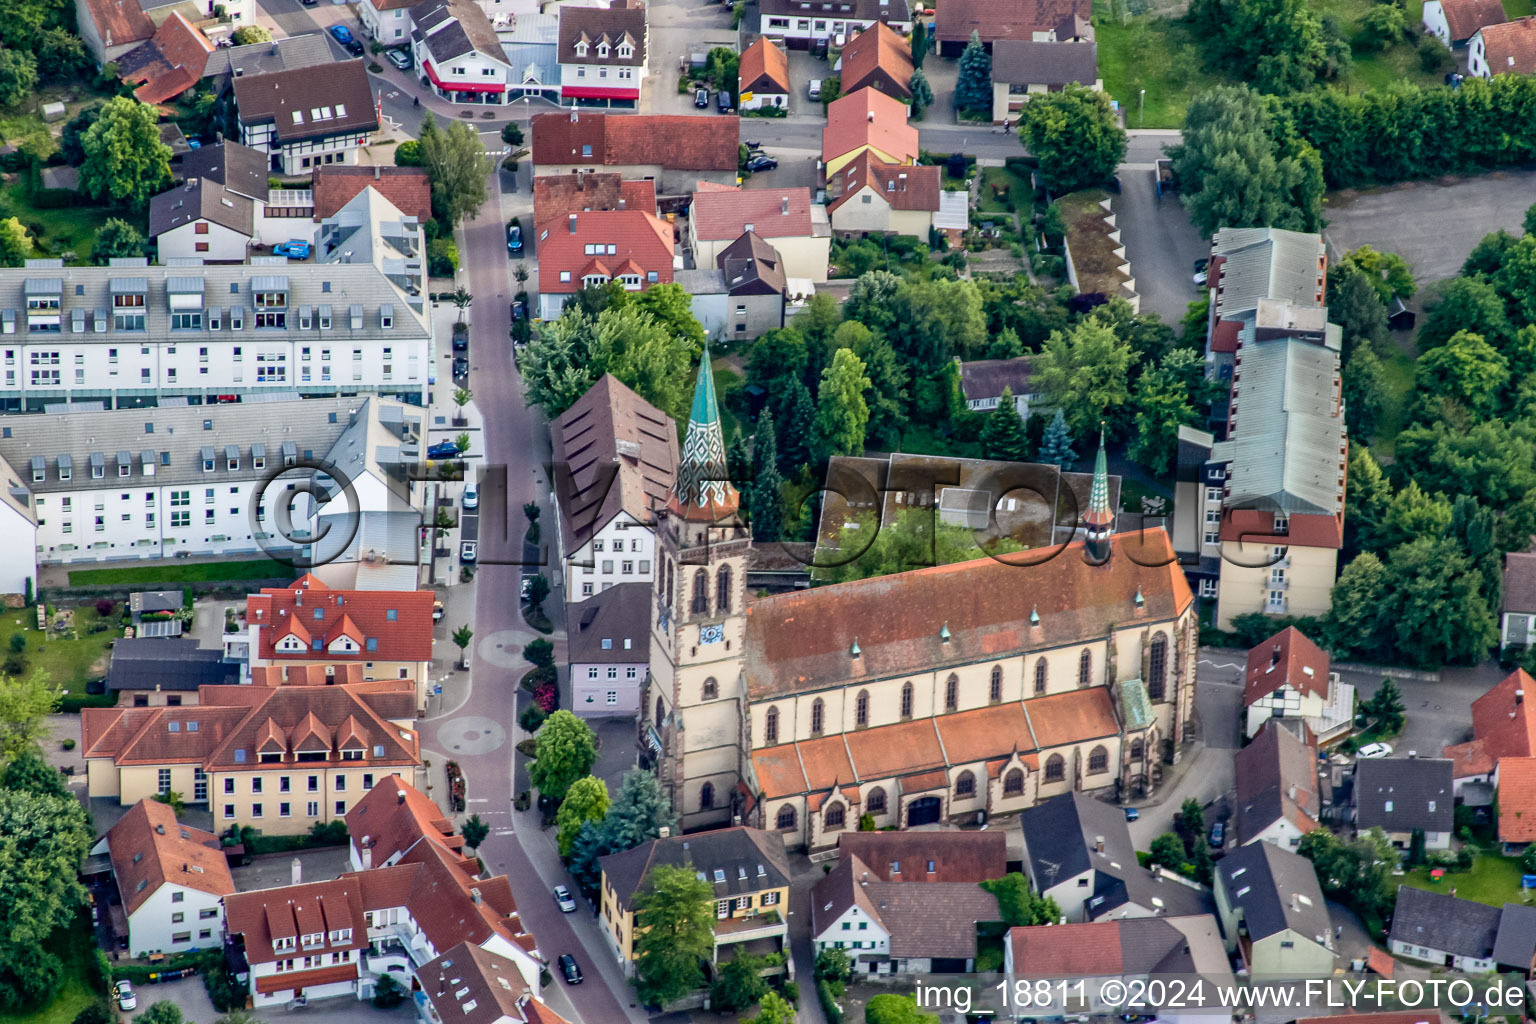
<point>712,634</point>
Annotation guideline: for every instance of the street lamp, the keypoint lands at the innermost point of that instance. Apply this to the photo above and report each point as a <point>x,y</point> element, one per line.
<point>1141,109</point>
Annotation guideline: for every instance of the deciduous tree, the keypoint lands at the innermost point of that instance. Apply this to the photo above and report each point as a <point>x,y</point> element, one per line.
<point>895,1008</point>
<point>841,413</point>
<point>1465,369</point>
<point>586,800</point>
<point>457,166</point>
<point>15,243</point>
<point>1162,405</point>
<point>18,76</point>
<point>738,983</point>
<point>1387,271</point>
<point>1075,136</point>
<point>125,161</point>
<point>117,238</point>
<point>674,932</point>
<point>25,704</point>
<point>247,34</point>
<point>1084,373</point>
<point>566,752</point>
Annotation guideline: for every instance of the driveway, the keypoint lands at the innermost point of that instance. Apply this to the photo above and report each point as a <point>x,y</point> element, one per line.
<point>1431,224</point>
<point>678,28</point>
<point>189,995</point>
<point>1160,242</point>
<point>1438,713</point>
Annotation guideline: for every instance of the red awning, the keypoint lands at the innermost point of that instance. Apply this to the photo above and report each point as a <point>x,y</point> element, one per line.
<point>461,86</point>
<point>595,92</point>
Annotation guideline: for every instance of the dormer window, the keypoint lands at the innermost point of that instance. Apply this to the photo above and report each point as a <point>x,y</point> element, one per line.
<point>581,49</point>
<point>626,51</point>
<point>602,50</point>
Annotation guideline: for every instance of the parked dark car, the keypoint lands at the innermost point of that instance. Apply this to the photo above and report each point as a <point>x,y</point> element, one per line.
<point>442,450</point>
<point>460,366</point>
<point>519,311</point>
<point>761,163</point>
<point>569,970</point>
<point>461,343</point>
<point>723,101</point>
<point>515,239</point>
<point>1218,835</point>
<point>701,99</point>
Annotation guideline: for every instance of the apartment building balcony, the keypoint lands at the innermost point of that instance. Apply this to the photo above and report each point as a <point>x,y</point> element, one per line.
<point>736,930</point>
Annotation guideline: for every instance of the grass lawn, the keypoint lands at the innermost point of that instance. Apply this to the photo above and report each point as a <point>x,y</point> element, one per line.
<point>1518,8</point>
<point>1494,879</point>
<point>1161,56</point>
<point>170,572</point>
<point>70,658</point>
<point>1014,189</point>
<point>55,232</point>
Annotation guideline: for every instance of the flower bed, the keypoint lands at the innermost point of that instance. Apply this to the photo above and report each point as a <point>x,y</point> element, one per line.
<point>456,791</point>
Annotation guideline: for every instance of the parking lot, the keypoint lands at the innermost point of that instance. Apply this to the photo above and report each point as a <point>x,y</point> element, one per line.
<point>1431,224</point>
<point>1161,244</point>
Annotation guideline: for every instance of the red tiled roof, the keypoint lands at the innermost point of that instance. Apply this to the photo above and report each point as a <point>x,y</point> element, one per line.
<point>1510,47</point>
<point>622,234</point>
<point>394,816</point>
<point>1286,659</point>
<point>1502,727</point>
<point>557,195</point>
<point>295,910</point>
<point>168,64</point>
<point>956,856</point>
<point>878,57</point>
<point>676,142</point>
<point>149,849</point>
<point>921,782</point>
<point>1465,17</point>
<point>722,216</point>
<point>231,721</point>
<point>1072,716</point>
<point>292,980</point>
<point>801,641</point>
<point>1307,530</point>
<point>1067,948</point>
<point>1517,799</point>
<point>404,636</point>
<point>119,22</point>
<point>406,188</point>
<point>763,68</point>
<point>1003,19</point>
<point>904,186</point>
<point>868,117</point>
<point>1224,337</point>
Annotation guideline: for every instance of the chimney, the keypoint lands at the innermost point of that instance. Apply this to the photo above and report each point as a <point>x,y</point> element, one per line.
<point>400,797</point>
<point>784,206</point>
<point>1274,655</point>
<point>160,829</point>
<point>377,173</point>
<point>621,204</point>
<point>1519,696</point>
<point>664,831</point>
<point>298,871</point>
<point>367,857</point>
<point>871,117</point>
<point>573,223</point>
<point>1098,843</point>
<point>474,894</point>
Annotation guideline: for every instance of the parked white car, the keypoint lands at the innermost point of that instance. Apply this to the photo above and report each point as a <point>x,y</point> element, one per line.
<point>1374,750</point>
<point>126,1000</point>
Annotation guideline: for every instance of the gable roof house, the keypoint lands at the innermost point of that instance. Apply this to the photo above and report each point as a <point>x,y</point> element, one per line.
<point>171,878</point>
<point>1078,851</point>
<point>1022,68</point>
<point>1516,781</point>
<point>371,229</point>
<point>304,752</point>
<point>287,54</point>
<point>555,196</point>
<point>747,867</point>
<point>763,76</point>
<point>1507,48</point>
<point>472,985</point>
<point>388,21</point>
<point>618,455</point>
<point>406,189</point>
<point>1444,930</point>
<point>1132,949</point>
<point>756,285</point>
<point>912,920</point>
<point>165,671</point>
<point>1502,727</point>
<point>1273,913</point>
<point>456,48</point>
<point>869,195</point>
<point>816,24</point>
<point>307,117</point>
<point>1455,22</point>
<point>1278,795</point>
<point>867,120</point>
<point>1046,21</point>
<point>202,219</point>
<point>878,58</point>
<point>982,382</point>
<point>1290,677</point>
<point>1517,623</point>
<point>676,150</point>
<point>602,52</point>
<point>168,64</point>
<point>786,218</point>
<point>1402,794</point>
<point>609,650</point>
<point>111,28</point>
<point>632,247</point>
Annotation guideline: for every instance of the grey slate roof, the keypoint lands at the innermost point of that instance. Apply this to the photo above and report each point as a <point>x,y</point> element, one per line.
<point>225,288</point>
<point>1276,890</point>
<point>1515,943</point>
<point>238,168</point>
<point>733,860</point>
<point>751,266</point>
<point>1288,435</point>
<point>304,51</point>
<point>863,10</point>
<point>1267,263</point>
<point>169,664</point>
<point>309,103</point>
<point>1447,923</point>
<point>201,199</point>
<point>469,32</point>
<point>1400,794</point>
<point>619,616</point>
<point>1276,778</point>
<point>154,600</point>
<point>173,441</point>
<point>592,25</point>
<point>1026,62</point>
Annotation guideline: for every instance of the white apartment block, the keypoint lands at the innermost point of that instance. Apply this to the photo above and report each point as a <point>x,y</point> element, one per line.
<point>132,335</point>
<point>94,486</point>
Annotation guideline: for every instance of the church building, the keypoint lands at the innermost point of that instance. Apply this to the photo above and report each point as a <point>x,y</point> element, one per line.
<point>952,693</point>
